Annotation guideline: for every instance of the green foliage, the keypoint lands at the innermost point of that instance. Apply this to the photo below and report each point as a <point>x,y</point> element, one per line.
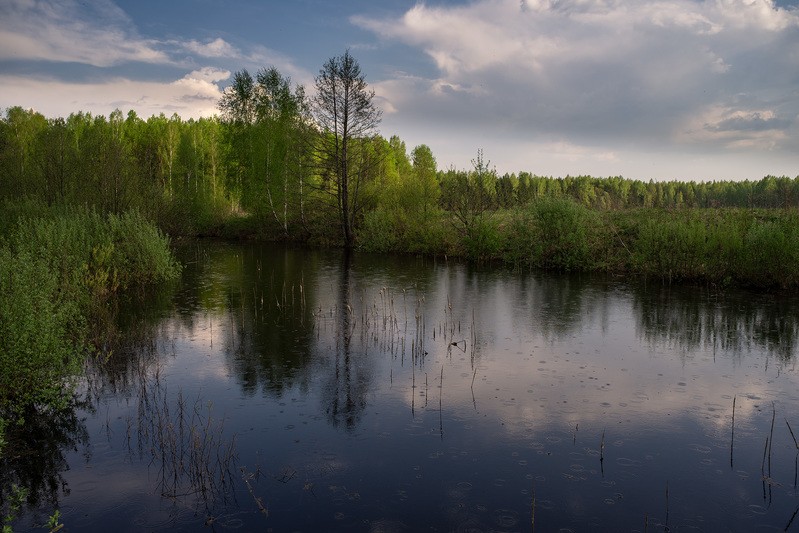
<point>139,252</point>
<point>36,326</point>
<point>673,248</point>
<point>771,253</point>
<point>2,435</point>
<point>747,247</point>
<point>10,508</point>
<point>483,240</point>
<point>469,196</point>
<point>552,233</point>
<point>380,232</point>
<point>53,522</point>
<point>56,274</point>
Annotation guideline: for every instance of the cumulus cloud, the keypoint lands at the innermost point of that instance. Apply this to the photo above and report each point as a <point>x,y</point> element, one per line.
<point>192,96</point>
<point>738,127</point>
<point>96,33</point>
<point>603,73</point>
<point>214,48</point>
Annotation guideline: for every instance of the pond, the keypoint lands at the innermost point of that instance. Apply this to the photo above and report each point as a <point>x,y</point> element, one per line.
<point>280,389</point>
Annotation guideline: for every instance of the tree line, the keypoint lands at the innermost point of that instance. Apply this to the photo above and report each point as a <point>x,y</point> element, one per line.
<point>300,167</point>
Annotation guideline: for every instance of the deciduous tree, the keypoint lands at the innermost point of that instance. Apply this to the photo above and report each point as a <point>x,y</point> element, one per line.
<point>346,114</point>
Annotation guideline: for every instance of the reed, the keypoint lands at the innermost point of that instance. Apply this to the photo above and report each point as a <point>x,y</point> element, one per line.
<point>187,444</point>
<point>771,436</point>
<point>732,430</point>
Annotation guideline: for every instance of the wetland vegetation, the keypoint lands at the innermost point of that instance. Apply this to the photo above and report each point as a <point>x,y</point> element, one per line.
<point>97,315</point>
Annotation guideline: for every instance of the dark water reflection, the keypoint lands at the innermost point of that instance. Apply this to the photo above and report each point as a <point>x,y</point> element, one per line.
<point>400,394</point>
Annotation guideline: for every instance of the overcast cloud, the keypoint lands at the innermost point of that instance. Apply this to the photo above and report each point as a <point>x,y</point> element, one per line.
<point>666,89</point>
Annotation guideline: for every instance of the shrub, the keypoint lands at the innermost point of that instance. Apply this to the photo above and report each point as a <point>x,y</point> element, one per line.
<point>771,254</point>
<point>380,232</point>
<point>552,233</point>
<point>56,274</point>
<point>38,330</point>
<point>483,240</point>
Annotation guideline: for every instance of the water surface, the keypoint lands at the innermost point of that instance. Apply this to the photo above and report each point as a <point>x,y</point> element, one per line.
<point>293,390</point>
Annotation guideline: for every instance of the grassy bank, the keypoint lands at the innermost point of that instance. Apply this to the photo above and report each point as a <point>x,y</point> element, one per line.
<point>58,270</point>
<point>722,246</point>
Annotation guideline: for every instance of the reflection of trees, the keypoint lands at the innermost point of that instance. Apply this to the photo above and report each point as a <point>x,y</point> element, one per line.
<point>347,384</point>
<point>257,298</point>
<point>560,305</point>
<point>691,320</point>
<point>34,455</point>
<point>131,339</point>
<point>271,322</point>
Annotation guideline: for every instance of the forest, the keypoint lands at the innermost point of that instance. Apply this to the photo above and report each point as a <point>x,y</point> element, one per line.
<point>278,164</point>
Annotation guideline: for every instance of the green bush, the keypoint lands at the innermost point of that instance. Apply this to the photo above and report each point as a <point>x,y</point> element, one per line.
<point>771,254</point>
<point>552,233</point>
<point>483,240</point>
<point>139,252</point>
<point>672,248</point>
<point>57,272</point>
<point>431,234</point>
<point>38,330</point>
<point>380,232</point>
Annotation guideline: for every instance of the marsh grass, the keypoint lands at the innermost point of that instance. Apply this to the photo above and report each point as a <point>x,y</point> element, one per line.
<point>757,248</point>
<point>185,442</point>
<point>59,272</point>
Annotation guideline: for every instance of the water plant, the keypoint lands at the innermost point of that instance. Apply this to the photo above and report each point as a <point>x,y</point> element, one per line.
<point>57,273</point>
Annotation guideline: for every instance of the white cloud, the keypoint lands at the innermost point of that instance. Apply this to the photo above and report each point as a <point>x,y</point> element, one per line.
<point>194,95</point>
<point>214,48</point>
<point>611,76</point>
<point>95,33</point>
<point>737,128</point>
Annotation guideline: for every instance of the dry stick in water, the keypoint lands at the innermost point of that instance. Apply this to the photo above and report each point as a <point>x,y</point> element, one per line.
<point>793,516</point>
<point>602,454</point>
<point>474,401</point>
<point>732,434</point>
<point>771,437</point>
<point>795,443</point>
<point>602,447</point>
<point>796,459</point>
<point>440,409</point>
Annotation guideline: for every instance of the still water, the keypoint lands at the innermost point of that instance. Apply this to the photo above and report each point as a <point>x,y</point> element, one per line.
<point>278,389</point>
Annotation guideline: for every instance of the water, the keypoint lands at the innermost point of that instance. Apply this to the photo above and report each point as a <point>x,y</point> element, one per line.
<point>290,390</point>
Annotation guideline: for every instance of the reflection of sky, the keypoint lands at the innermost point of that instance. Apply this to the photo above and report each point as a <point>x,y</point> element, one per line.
<point>357,428</point>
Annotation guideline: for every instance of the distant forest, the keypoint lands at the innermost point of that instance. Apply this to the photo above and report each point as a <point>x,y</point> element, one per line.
<point>260,159</point>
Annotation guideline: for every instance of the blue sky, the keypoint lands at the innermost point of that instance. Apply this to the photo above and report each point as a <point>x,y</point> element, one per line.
<point>647,89</point>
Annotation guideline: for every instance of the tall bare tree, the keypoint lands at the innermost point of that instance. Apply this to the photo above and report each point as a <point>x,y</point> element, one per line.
<point>346,114</point>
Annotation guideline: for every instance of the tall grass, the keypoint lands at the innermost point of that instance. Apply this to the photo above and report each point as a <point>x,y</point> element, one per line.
<point>552,233</point>
<point>58,270</point>
<point>724,246</point>
<point>37,329</point>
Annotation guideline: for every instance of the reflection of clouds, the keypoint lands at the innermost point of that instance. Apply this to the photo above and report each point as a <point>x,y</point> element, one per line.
<point>549,350</point>
<point>566,352</point>
<point>199,344</point>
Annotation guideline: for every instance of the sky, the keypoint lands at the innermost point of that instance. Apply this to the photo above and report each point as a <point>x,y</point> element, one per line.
<point>646,89</point>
